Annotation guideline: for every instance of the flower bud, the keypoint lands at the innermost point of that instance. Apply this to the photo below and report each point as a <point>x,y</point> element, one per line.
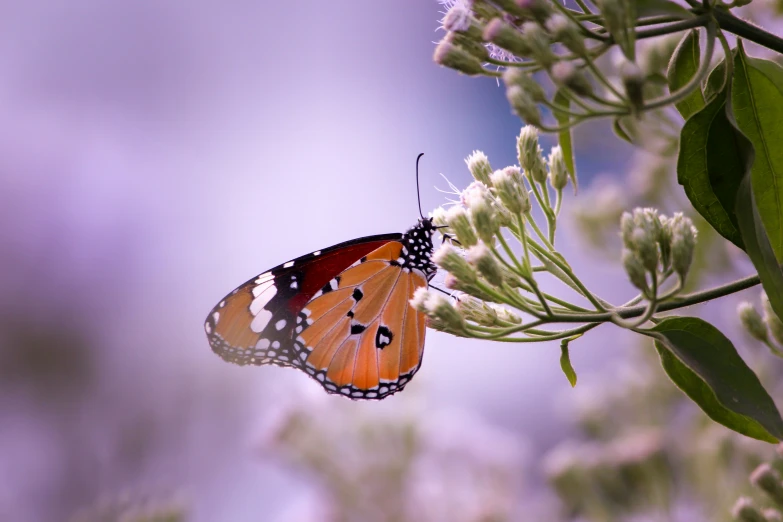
<point>683,242</point>
<point>771,319</point>
<point>635,269</point>
<point>521,79</point>
<point>450,260</point>
<point>565,31</point>
<point>471,46</point>
<point>506,36</point>
<point>420,298</point>
<point>530,154</point>
<point>504,314</point>
<point>484,11</point>
<point>523,105</point>
<point>458,221</point>
<point>477,311</point>
<point>665,242</point>
<point>453,57</point>
<point>511,190</point>
<point>479,167</point>
<point>453,283</point>
<point>751,321</point>
<point>439,217</point>
<point>482,258</point>
<point>558,174</point>
<point>641,234</point>
<point>538,42</point>
<point>745,511</point>
<point>767,479</point>
<point>443,314</point>
<point>565,74</point>
<point>633,80</point>
<point>485,314</point>
<point>459,19</point>
<point>483,215</point>
<point>626,228</point>
<point>504,216</point>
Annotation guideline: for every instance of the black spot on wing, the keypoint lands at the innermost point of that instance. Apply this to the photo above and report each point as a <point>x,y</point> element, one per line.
<point>383,337</point>
<point>357,328</point>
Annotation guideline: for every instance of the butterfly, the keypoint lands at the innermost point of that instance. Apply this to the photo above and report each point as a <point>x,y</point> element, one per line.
<point>341,314</point>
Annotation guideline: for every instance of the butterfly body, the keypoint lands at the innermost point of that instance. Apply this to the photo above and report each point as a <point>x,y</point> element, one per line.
<point>342,314</point>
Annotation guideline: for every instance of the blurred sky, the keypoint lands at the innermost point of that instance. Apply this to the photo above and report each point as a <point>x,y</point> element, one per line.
<point>156,154</point>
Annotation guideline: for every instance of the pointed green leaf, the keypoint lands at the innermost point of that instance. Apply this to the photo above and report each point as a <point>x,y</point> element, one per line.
<point>710,166</point>
<point>682,67</point>
<point>757,98</point>
<point>565,362</point>
<point>617,125</point>
<point>758,168</point>
<point>704,364</point>
<point>716,81</point>
<point>564,137</point>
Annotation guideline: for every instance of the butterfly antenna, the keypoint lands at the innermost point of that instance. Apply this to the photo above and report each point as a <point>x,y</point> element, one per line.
<point>418,191</point>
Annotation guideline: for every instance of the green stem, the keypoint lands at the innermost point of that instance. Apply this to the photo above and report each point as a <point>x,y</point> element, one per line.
<point>674,304</point>
<point>538,250</point>
<point>676,27</point>
<point>538,231</point>
<point>602,79</point>
<point>561,335</point>
<point>585,31</point>
<point>559,108</point>
<point>748,31</point>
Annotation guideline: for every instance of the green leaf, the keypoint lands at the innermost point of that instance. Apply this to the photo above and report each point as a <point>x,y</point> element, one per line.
<point>617,125</point>
<point>757,98</point>
<point>710,166</point>
<point>565,362</point>
<point>704,364</point>
<point>716,81</point>
<point>564,138</point>
<point>682,68</point>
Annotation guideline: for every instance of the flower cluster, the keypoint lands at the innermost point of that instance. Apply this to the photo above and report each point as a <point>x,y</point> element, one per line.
<point>497,201</point>
<point>516,39</point>
<point>497,247</point>
<point>655,246</point>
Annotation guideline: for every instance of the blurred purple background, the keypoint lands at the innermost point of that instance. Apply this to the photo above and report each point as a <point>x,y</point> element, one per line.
<point>153,156</point>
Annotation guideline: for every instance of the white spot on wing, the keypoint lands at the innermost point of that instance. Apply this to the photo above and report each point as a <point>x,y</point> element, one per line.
<point>261,319</point>
<point>262,344</point>
<point>280,324</point>
<point>289,264</point>
<point>317,253</point>
<point>263,294</point>
<point>216,317</point>
<point>264,278</point>
<point>207,327</point>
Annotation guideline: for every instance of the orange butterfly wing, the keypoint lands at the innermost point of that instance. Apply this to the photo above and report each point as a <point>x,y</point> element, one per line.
<point>363,339</point>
